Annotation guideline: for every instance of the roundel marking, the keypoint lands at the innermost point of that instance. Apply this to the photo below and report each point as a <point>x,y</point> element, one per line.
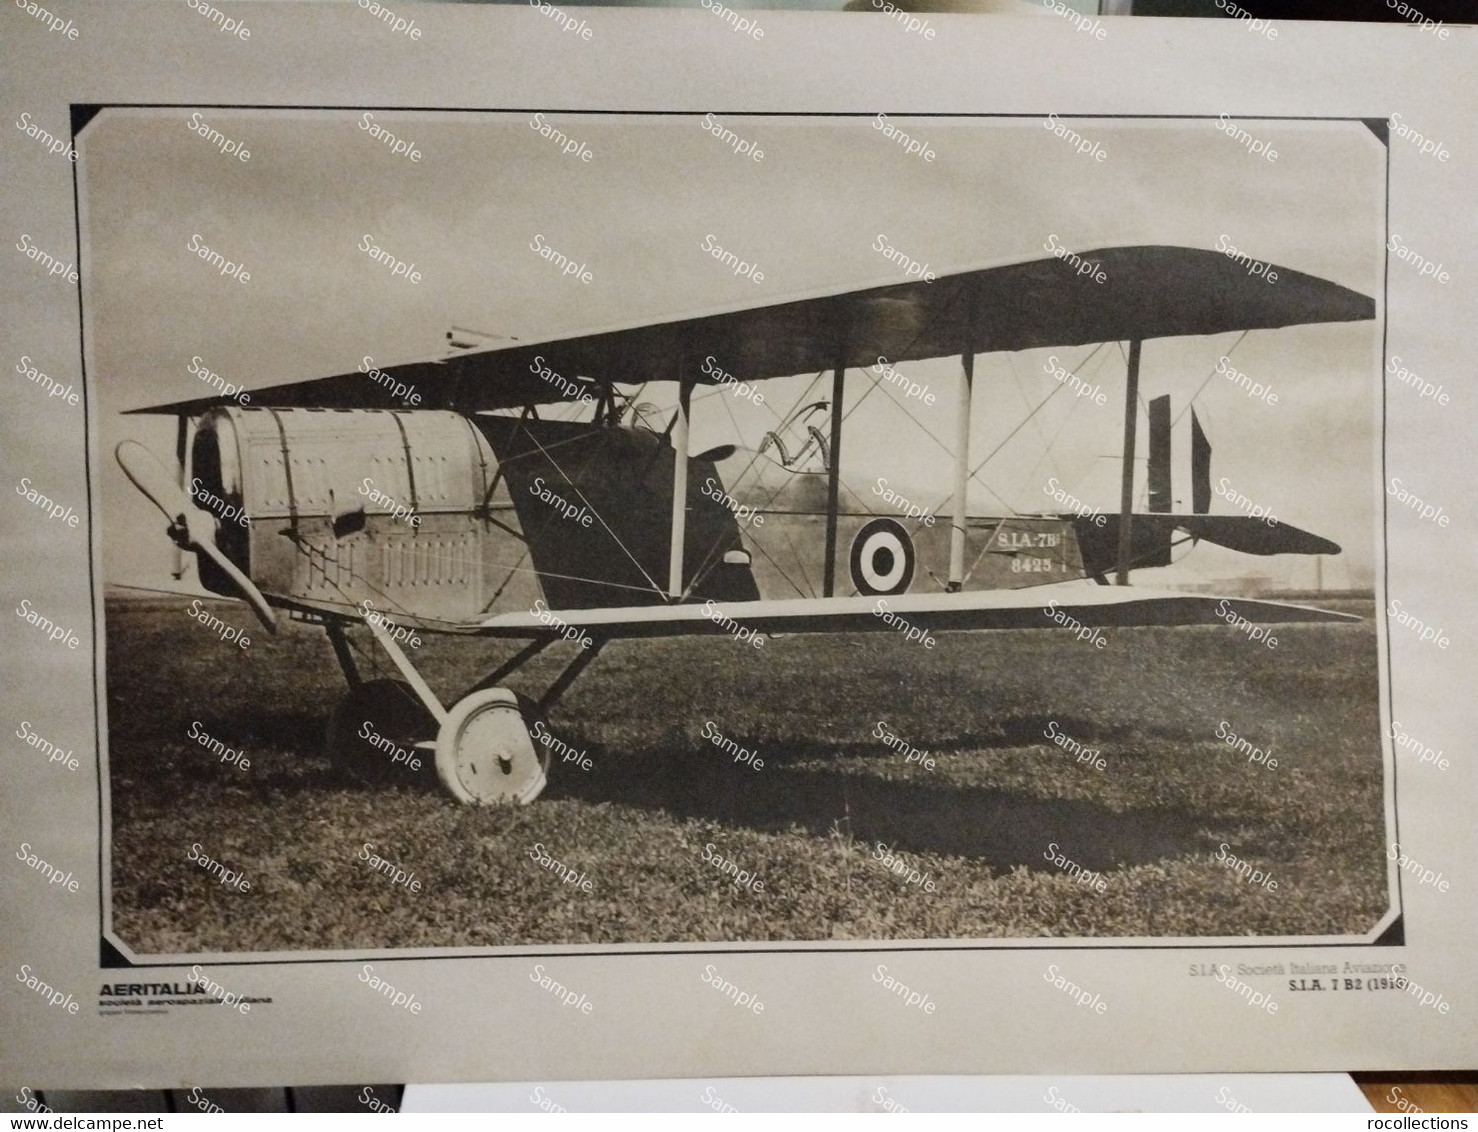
<point>882,559</point>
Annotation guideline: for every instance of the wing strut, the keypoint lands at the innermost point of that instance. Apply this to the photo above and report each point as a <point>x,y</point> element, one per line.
<point>962,474</point>
<point>679,489</point>
<point>1126,489</point>
<point>833,475</point>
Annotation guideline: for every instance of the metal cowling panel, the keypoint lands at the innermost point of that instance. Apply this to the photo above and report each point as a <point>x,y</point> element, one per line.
<point>324,462</point>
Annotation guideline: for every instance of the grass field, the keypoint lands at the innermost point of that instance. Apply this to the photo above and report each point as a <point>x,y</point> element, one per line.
<point>979,822</point>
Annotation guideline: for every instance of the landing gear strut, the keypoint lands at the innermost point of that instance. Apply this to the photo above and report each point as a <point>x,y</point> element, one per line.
<point>485,748</point>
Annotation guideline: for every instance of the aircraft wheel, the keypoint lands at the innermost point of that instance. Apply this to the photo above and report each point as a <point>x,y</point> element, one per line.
<point>393,712</point>
<point>485,754</point>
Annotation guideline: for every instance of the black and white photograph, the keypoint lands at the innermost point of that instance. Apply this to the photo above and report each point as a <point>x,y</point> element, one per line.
<point>1022,587</point>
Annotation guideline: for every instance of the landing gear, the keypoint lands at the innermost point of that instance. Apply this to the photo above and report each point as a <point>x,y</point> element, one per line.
<point>485,754</point>
<point>485,748</point>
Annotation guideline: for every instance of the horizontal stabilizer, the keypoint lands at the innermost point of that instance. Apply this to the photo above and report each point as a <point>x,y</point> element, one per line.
<point>1152,534</point>
<point>1254,536</point>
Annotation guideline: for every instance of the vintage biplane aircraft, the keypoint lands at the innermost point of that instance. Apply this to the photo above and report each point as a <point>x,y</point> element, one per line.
<point>470,514</point>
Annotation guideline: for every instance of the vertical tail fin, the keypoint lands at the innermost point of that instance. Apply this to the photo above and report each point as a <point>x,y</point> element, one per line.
<point>1160,499</point>
<point>1200,468</point>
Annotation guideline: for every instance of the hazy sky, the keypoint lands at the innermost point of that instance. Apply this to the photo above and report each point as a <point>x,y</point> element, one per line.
<point>808,214</point>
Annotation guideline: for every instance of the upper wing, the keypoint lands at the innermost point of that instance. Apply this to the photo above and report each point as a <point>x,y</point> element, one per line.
<point>1151,291</point>
<point>1042,607</point>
